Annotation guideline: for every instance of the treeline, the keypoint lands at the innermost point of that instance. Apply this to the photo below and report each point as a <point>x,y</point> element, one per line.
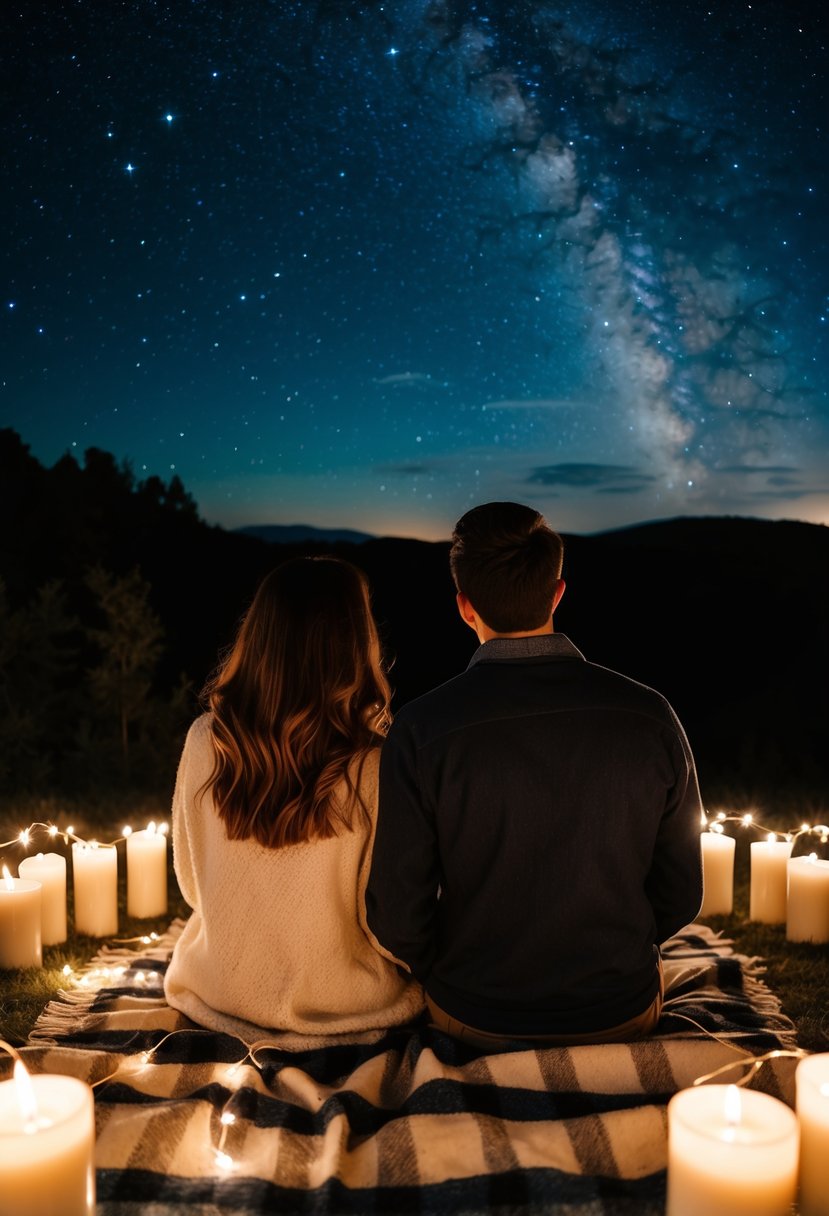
<point>116,600</point>
<point>91,696</point>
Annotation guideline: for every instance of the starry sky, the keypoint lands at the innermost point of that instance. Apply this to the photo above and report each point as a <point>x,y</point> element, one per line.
<point>367,264</point>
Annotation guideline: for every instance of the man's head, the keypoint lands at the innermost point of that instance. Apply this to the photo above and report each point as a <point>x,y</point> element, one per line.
<point>506,562</point>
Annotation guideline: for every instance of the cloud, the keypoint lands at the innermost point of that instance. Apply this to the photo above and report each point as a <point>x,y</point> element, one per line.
<point>605,478</point>
<point>407,470</point>
<point>780,470</point>
<point>406,380</point>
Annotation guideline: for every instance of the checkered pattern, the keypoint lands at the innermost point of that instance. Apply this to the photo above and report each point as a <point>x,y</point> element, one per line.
<point>402,1121</point>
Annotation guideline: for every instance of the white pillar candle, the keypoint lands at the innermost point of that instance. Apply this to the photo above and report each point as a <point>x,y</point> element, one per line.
<point>147,873</point>
<point>812,1105</point>
<point>49,869</point>
<point>47,1146</point>
<point>21,944</point>
<point>769,880</point>
<point>807,918</point>
<point>717,874</point>
<point>95,880</point>
<point>730,1153</point>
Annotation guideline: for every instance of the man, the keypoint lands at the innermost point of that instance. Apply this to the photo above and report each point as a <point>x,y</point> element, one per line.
<point>539,822</point>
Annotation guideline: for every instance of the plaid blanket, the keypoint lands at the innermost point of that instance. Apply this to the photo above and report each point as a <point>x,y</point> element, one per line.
<point>406,1121</point>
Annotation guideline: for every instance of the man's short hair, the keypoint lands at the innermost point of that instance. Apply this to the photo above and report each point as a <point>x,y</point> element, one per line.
<point>506,559</point>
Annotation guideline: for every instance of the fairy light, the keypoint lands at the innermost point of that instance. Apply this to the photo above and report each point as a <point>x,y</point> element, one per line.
<point>24,836</point>
<point>747,820</point>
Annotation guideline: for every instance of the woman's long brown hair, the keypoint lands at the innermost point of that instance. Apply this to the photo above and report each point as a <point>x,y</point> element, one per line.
<point>297,704</point>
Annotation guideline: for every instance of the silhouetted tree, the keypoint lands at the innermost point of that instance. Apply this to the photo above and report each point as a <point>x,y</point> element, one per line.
<point>130,643</point>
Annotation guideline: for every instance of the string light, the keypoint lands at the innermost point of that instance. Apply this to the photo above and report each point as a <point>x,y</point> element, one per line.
<point>753,1064</point>
<point>24,837</point>
<point>747,820</point>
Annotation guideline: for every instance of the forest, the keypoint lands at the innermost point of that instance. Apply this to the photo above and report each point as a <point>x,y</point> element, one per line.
<point>117,598</point>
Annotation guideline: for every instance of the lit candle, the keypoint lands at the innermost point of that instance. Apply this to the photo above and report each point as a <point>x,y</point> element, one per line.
<point>769,880</point>
<point>49,869</point>
<point>21,944</point>
<point>812,1105</point>
<point>95,881</point>
<point>807,918</point>
<point>730,1153</point>
<point>47,1145</point>
<point>147,873</point>
<point>717,874</point>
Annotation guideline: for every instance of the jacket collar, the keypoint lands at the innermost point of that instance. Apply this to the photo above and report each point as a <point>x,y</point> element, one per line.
<point>541,646</point>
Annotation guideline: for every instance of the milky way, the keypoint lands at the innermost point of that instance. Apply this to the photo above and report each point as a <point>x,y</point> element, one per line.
<point>368,264</point>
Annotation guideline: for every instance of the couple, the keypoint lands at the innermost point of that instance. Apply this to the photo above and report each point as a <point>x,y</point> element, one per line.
<point>510,855</point>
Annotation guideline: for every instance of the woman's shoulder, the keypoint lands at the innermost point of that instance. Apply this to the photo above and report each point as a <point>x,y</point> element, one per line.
<point>198,731</point>
<point>369,766</point>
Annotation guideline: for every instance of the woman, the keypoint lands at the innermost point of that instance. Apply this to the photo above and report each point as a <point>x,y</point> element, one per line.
<point>274,812</point>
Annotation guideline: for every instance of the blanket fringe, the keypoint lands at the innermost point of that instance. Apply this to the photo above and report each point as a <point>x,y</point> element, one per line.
<point>72,1009</point>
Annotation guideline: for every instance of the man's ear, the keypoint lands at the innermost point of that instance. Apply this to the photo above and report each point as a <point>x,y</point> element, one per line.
<point>558,593</point>
<point>468,613</point>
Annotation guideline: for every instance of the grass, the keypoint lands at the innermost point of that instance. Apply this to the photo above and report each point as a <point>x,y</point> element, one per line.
<point>797,973</point>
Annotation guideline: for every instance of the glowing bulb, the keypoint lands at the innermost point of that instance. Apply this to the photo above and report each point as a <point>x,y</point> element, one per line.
<point>228,1118</point>
<point>747,819</point>
<point>24,836</point>
<point>53,830</point>
<point>127,831</point>
<point>224,1160</point>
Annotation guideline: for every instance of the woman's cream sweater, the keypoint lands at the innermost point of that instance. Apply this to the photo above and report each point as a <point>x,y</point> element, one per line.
<point>277,938</point>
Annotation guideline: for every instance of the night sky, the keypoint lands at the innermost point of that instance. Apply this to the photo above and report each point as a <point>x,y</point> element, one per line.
<point>368,264</point>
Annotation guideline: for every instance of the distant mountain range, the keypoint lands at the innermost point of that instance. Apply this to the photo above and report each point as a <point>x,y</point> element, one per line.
<point>291,534</point>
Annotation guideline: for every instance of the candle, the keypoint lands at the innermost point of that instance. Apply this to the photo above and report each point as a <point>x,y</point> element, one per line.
<point>147,873</point>
<point>730,1153</point>
<point>807,917</point>
<point>47,1146</point>
<point>49,869</point>
<point>769,880</point>
<point>717,873</point>
<point>812,1105</point>
<point>95,876</point>
<point>21,944</point>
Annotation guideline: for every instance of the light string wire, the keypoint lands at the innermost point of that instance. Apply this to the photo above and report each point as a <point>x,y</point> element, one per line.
<point>754,1064</point>
<point>748,821</point>
<point>53,831</point>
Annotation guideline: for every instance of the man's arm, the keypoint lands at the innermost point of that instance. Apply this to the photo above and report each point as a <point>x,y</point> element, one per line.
<point>402,890</point>
<point>674,884</point>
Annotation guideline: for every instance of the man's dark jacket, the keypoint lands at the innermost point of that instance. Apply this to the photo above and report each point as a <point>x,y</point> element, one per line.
<point>538,837</point>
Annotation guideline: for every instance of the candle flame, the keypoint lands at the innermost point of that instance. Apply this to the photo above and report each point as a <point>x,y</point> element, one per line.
<point>7,878</point>
<point>771,838</point>
<point>164,828</point>
<point>733,1106</point>
<point>717,827</point>
<point>25,1093</point>
<point>151,828</point>
<point>812,857</point>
